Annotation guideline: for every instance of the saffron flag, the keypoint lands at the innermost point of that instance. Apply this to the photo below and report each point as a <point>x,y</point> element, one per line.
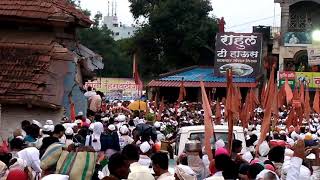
<point>316,106</point>
<point>281,97</point>
<point>218,113</point>
<point>136,74</point>
<point>182,92</point>
<point>268,108</point>
<point>209,131</point>
<point>289,94</point>
<point>161,108</point>
<point>72,109</point>
<point>263,93</point>
<point>307,108</point>
<point>230,108</point>
<point>302,92</point>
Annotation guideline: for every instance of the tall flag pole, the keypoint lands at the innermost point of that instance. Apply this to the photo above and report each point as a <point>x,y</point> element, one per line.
<point>161,108</point>
<point>289,94</point>
<point>268,108</point>
<point>218,113</point>
<point>307,108</point>
<point>136,75</point>
<point>229,108</point>
<point>182,91</point>
<point>209,131</point>
<point>316,106</point>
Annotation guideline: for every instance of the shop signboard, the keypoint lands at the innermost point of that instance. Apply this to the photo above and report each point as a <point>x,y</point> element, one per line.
<point>116,88</point>
<point>311,78</point>
<point>240,52</point>
<point>301,39</point>
<point>313,55</point>
<point>290,75</point>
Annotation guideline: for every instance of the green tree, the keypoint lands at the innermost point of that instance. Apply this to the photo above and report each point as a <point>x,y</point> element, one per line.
<point>178,34</point>
<point>117,63</point>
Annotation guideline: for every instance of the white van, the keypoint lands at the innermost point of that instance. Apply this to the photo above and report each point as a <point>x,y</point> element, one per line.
<point>193,132</point>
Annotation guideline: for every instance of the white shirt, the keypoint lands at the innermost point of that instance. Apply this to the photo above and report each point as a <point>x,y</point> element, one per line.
<point>139,172</point>
<point>88,94</point>
<point>166,176</point>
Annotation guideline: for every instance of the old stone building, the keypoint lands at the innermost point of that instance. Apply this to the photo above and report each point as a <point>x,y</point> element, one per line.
<point>41,63</point>
<point>299,18</point>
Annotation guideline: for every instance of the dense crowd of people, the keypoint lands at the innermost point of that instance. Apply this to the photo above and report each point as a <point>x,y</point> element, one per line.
<point>112,142</point>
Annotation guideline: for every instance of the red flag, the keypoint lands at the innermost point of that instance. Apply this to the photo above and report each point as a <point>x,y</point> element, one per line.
<point>161,108</point>
<point>218,113</point>
<point>307,108</point>
<point>209,131</point>
<point>316,106</point>
<point>182,92</point>
<point>229,108</point>
<point>289,94</point>
<point>136,75</point>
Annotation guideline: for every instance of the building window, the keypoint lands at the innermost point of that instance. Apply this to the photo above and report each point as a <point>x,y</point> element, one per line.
<point>117,33</point>
<point>128,33</point>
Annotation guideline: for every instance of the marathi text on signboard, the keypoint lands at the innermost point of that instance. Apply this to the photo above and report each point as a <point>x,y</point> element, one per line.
<point>240,52</point>
<point>116,88</point>
<point>289,75</point>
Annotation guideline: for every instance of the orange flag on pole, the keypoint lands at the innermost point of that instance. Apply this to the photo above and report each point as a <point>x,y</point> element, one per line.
<point>302,92</point>
<point>72,109</point>
<point>268,108</point>
<point>263,94</point>
<point>307,108</point>
<point>209,131</point>
<point>182,92</point>
<point>289,94</point>
<point>218,113</point>
<point>316,106</point>
<point>281,97</point>
<point>161,108</point>
<point>229,107</point>
<point>136,74</point>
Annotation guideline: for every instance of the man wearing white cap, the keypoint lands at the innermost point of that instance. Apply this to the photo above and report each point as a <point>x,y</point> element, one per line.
<point>160,135</point>
<point>110,141</point>
<point>144,156</point>
<point>69,136</point>
<point>124,138</point>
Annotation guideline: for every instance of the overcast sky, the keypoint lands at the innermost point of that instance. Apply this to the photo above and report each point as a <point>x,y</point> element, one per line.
<point>240,15</point>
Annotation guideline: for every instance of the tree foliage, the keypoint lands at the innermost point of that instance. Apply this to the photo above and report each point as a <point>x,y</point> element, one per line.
<point>178,34</point>
<point>117,63</point>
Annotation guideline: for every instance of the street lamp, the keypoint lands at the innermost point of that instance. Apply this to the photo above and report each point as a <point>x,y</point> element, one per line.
<point>316,35</point>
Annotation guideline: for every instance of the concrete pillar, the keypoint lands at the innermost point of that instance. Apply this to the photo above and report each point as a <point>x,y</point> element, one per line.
<point>284,20</point>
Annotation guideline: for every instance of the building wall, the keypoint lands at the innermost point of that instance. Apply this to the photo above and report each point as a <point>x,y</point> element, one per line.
<point>120,31</point>
<point>11,117</point>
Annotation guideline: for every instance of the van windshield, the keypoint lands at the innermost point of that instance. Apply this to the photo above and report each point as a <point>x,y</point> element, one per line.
<point>219,135</point>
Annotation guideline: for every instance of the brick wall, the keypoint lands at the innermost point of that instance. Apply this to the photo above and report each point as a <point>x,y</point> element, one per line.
<point>12,115</point>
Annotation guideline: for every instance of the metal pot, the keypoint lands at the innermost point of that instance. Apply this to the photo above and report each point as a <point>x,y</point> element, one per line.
<point>193,146</point>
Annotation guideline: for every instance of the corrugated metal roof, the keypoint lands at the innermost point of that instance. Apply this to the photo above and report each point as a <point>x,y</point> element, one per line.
<point>156,83</point>
<point>206,74</point>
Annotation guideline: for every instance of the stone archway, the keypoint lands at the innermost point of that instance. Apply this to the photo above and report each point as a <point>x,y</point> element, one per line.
<point>292,2</point>
<point>300,60</point>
